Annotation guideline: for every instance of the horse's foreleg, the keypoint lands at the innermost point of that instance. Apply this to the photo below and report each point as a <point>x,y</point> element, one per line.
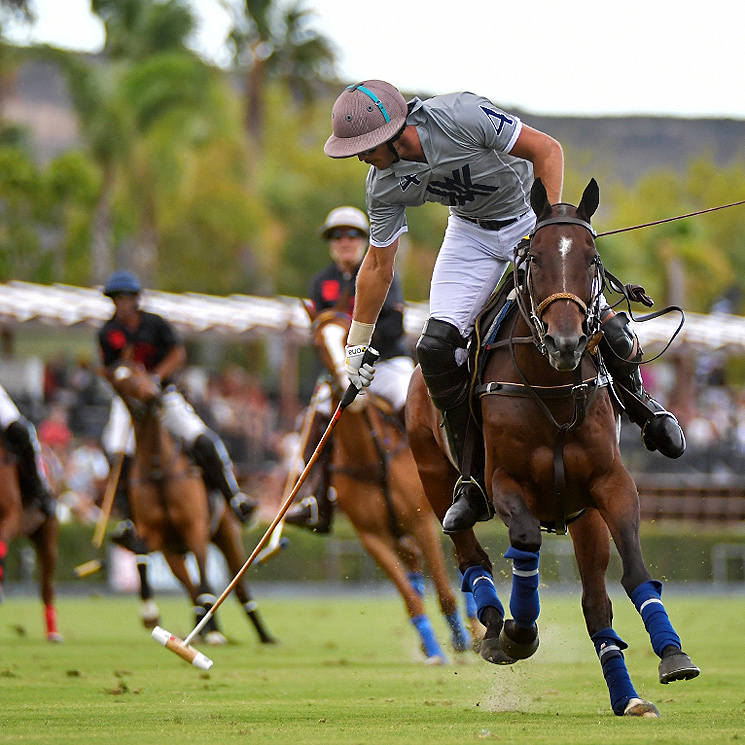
<point>621,514</point>
<point>45,543</point>
<point>228,540</point>
<point>519,636</point>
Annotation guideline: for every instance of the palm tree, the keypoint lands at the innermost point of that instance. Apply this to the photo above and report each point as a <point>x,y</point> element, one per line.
<point>270,41</point>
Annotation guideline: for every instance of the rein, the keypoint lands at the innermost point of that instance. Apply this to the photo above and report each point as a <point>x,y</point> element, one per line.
<point>669,219</point>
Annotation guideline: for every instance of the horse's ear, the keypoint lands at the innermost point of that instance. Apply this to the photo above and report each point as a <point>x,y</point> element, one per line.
<point>590,200</point>
<point>538,198</point>
<point>310,309</point>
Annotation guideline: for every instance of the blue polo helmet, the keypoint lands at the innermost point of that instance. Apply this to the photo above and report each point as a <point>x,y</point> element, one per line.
<point>122,281</point>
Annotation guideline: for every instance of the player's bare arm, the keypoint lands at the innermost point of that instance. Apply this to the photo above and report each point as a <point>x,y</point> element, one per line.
<point>546,155</point>
<point>373,282</point>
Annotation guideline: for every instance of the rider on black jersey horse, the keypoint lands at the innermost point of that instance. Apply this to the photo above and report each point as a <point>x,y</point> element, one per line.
<point>149,339</point>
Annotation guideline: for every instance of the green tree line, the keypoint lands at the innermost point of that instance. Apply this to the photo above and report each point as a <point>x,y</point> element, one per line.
<point>212,180</point>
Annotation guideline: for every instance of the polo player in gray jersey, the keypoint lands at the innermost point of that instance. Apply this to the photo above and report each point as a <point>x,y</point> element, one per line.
<point>463,151</point>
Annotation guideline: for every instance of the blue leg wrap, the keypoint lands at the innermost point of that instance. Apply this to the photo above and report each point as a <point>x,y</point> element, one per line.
<point>430,645</point>
<point>479,582</point>
<point>470,602</point>
<point>646,598</point>
<point>461,637</point>
<point>608,646</point>
<point>417,582</point>
<point>524,603</point>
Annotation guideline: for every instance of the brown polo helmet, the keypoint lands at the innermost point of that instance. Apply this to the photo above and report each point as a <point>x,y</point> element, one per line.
<point>365,116</point>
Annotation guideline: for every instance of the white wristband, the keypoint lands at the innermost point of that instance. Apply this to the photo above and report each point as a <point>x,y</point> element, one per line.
<point>360,333</point>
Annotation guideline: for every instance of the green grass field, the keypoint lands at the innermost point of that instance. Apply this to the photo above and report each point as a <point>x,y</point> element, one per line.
<point>348,671</point>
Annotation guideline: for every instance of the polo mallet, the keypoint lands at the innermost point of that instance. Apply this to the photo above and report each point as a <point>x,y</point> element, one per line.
<point>183,648</point>
<point>277,541</point>
<point>92,566</point>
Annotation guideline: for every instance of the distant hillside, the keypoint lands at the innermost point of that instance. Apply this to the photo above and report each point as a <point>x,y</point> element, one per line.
<point>628,147</point>
<point>622,148</point>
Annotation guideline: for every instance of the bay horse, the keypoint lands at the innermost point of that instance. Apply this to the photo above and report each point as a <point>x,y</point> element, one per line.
<point>28,520</point>
<point>377,488</point>
<point>550,428</point>
<point>171,510</point>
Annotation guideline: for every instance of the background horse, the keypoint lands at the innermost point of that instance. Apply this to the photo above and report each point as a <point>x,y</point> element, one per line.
<point>552,456</point>
<point>377,488</point>
<point>170,506</point>
<point>16,520</point>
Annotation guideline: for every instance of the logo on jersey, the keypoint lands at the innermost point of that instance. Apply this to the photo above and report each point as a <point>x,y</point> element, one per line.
<point>497,118</point>
<point>459,189</point>
<point>406,181</point>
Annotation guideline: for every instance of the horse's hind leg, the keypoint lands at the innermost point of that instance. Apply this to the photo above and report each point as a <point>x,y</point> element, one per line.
<point>622,517</point>
<point>384,554</point>
<point>592,551</point>
<point>228,540</point>
<point>431,549</point>
<point>45,543</point>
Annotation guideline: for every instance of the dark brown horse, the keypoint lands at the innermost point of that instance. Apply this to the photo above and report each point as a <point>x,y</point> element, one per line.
<point>170,505</point>
<point>552,455</point>
<point>377,488</point>
<point>19,520</point>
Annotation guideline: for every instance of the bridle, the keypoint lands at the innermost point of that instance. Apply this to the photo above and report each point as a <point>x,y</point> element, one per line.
<point>532,311</point>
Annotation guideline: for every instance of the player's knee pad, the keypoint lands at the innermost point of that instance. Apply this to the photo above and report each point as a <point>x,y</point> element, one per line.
<point>446,379</point>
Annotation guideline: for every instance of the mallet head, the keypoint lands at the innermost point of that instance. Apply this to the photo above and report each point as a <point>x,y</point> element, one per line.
<point>186,652</point>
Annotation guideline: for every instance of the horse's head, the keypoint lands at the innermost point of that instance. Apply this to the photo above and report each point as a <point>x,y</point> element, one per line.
<point>133,383</point>
<point>329,329</point>
<point>563,273</point>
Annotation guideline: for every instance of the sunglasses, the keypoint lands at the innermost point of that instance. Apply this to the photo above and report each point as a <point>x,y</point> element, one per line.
<point>338,233</point>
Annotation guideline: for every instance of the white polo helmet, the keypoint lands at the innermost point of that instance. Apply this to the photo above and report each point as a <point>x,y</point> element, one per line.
<point>345,217</point>
<point>365,116</point>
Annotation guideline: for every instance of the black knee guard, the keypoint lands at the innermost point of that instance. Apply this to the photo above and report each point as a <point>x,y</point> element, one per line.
<point>446,380</point>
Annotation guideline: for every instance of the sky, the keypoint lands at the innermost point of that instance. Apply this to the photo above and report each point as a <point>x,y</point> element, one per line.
<point>574,57</point>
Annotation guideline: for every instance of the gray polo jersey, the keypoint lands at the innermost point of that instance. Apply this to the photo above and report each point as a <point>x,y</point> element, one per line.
<point>466,140</point>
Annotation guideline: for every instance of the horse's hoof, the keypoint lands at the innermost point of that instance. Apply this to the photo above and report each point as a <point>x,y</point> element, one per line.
<point>518,643</point>
<point>149,614</point>
<point>677,666</point>
<point>435,659</point>
<point>638,707</point>
<point>215,639</point>
<point>490,650</point>
<point>55,638</point>
<point>269,640</point>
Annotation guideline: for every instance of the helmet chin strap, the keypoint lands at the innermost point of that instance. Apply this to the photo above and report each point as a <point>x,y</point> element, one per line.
<point>397,136</point>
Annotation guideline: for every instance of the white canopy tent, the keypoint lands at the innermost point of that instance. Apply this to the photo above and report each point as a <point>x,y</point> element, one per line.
<point>243,316</point>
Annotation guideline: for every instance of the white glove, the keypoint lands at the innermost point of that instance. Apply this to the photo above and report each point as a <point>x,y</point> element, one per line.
<point>359,377</point>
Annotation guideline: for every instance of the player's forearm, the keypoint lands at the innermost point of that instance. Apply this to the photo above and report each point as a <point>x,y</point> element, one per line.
<point>373,282</point>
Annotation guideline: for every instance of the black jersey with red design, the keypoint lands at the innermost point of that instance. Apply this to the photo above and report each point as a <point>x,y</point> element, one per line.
<point>150,342</point>
<point>331,284</point>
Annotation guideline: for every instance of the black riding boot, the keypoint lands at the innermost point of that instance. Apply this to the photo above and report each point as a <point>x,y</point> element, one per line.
<point>471,503</point>
<point>660,429</point>
<point>440,349</point>
<point>21,436</point>
<point>210,455</point>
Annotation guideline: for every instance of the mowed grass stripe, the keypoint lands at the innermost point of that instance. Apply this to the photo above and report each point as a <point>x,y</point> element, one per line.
<point>348,671</point>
